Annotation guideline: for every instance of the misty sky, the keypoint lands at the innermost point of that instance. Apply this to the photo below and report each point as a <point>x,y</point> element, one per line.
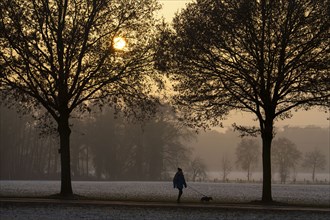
<point>300,119</point>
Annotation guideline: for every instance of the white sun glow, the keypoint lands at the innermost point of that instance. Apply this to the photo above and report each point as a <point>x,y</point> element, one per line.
<point>119,43</point>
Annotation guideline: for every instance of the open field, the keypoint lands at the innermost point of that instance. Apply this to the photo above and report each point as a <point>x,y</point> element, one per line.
<point>156,200</point>
<point>316,195</point>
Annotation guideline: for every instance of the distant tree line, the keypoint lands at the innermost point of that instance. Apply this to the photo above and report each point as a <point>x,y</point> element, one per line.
<point>126,150</point>
<point>104,147</point>
<point>109,147</point>
<point>286,159</point>
<point>24,153</point>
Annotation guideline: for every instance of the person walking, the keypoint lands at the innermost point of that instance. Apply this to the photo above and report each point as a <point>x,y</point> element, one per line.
<point>178,182</point>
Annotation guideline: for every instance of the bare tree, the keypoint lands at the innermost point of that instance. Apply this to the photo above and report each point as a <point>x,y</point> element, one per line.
<point>314,160</point>
<point>285,157</point>
<point>226,167</point>
<point>197,169</point>
<point>62,55</point>
<point>247,155</point>
<point>259,56</point>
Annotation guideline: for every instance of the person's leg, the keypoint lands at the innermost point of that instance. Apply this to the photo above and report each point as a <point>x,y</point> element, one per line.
<point>179,196</point>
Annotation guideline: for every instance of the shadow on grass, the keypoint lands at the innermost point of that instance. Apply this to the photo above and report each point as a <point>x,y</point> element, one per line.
<point>66,197</point>
<point>271,203</point>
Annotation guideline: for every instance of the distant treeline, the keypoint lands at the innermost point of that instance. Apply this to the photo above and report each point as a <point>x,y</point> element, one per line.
<point>109,147</point>
<point>105,147</point>
<point>294,150</point>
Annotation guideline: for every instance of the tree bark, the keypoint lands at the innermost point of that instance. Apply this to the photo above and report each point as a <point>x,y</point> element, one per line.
<point>64,132</point>
<point>267,137</point>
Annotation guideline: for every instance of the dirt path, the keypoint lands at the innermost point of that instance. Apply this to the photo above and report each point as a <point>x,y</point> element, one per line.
<point>208,205</point>
<point>53,209</point>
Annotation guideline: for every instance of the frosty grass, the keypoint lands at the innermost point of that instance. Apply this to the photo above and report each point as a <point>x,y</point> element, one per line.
<point>160,191</point>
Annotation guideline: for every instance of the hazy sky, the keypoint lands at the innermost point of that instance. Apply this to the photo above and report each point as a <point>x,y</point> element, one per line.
<point>301,118</point>
<point>172,6</point>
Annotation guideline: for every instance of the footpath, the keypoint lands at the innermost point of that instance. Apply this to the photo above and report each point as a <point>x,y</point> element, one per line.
<point>155,204</point>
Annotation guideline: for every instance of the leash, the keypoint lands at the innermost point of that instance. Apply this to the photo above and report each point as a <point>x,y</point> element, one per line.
<point>196,190</point>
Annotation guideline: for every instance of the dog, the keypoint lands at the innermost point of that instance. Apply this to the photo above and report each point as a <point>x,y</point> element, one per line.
<point>206,198</point>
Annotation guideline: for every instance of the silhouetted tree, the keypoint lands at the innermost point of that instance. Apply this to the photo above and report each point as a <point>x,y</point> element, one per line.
<point>196,169</point>
<point>314,160</point>
<point>259,56</point>
<point>285,156</point>
<point>60,55</point>
<point>247,155</point>
<point>226,167</point>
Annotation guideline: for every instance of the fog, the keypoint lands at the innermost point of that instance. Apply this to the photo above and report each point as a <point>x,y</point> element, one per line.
<point>108,147</point>
<point>212,145</point>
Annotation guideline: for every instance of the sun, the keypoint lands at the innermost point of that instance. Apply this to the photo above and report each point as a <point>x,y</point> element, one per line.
<point>119,43</point>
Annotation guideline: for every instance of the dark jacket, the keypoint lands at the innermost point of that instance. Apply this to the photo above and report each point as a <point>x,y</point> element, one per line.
<point>179,181</point>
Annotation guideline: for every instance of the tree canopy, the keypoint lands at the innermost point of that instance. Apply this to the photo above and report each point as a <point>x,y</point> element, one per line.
<point>263,57</point>
<point>62,51</point>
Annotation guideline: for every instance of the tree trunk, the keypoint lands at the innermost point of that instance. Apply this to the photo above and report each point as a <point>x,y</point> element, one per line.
<point>313,174</point>
<point>87,158</point>
<point>64,132</point>
<point>267,136</point>
<point>49,156</point>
